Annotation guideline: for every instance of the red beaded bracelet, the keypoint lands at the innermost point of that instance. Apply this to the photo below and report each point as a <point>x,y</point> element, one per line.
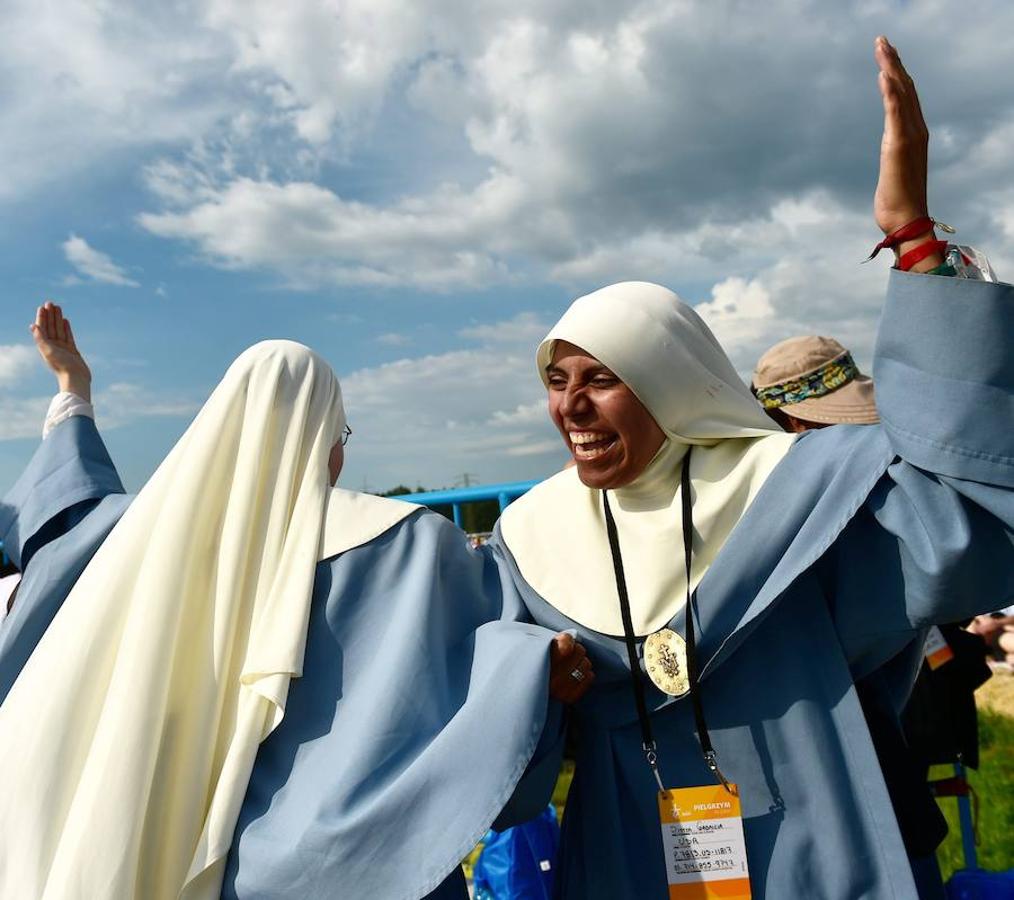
<point>917,254</point>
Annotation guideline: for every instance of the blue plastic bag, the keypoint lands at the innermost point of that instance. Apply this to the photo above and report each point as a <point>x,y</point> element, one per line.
<point>978,884</point>
<point>519,863</point>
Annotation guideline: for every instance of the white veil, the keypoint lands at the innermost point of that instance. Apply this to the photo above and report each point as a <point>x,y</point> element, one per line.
<point>127,742</point>
<point>660,348</point>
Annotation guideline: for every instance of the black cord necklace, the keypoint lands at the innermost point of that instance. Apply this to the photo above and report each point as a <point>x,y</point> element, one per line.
<point>691,662</point>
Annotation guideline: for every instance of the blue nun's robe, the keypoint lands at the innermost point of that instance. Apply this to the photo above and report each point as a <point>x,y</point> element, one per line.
<point>861,537</point>
<point>390,762</point>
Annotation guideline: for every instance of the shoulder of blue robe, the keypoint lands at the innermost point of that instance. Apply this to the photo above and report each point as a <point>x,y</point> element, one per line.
<point>70,467</point>
<point>945,375</point>
<point>804,505</point>
<point>920,508</point>
<point>933,549</point>
<point>54,519</point>
<point>898,549</point>
<point>353,518</point>
<point>421,703</point>
<point>936,534</point>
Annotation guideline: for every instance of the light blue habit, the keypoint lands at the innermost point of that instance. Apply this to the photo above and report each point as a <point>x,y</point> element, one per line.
<point>421,702</point>
<point>861,537</point>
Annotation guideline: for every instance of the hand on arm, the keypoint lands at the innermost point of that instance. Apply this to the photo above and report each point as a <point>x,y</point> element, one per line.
<point>900,197</point>
<point>998,634</point>
<point>567,658</point>
<point>55,343</point>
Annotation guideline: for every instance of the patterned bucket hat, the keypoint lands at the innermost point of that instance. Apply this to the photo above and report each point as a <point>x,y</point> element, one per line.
<point>815,379</point>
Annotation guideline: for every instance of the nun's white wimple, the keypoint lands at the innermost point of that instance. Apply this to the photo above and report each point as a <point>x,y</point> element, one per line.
<point>127,742</point>
<point>659,347</point>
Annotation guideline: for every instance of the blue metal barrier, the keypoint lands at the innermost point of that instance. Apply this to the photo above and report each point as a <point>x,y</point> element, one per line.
<point>457,497</point>
<point>454,498</point>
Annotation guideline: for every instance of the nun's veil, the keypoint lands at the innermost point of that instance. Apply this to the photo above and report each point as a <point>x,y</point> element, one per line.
<point>127,742</point>
<point>659,347</point>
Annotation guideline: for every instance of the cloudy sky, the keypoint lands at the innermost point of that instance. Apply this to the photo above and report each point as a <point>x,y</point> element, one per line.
<point>417,188</point>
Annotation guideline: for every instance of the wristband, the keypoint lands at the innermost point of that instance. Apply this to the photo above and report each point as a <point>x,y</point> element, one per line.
<point>918,254</point>
<point>913,229</point>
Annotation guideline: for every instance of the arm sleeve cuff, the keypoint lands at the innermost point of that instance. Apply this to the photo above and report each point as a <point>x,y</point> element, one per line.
<point>71,465</point>
<point>62,407</point>
<point>945,376</point>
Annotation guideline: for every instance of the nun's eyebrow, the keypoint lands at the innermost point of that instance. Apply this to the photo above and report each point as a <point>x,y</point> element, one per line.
<point>591,372</point>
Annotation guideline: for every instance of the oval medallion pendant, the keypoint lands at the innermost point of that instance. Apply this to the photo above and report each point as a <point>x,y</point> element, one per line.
<point>665,658</point>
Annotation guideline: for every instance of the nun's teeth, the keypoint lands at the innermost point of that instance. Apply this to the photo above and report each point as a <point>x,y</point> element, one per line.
<point>590,444</point>
<point>587,437</point>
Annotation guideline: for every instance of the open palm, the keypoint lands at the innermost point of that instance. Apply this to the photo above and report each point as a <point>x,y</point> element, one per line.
<point>55,342</point>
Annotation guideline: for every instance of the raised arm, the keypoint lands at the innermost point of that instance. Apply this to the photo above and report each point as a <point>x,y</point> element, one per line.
<point>62,506</point>
<point>900,197</point>
<point>71,469</point>
<point>937,529</point>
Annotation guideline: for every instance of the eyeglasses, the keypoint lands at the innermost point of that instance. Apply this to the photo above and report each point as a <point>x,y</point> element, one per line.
<point>346,434</point>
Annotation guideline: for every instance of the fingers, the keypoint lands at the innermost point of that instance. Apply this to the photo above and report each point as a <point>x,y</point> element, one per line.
<point>59,324</point>
<point>570,673</point>
<point>890,62</point>
<point>887,58</point>
<point>897,86</point>
<point>50,324</point>
<point>562,644</point>
<point>571,690</point>
<point>40,327</point>
<point>47,320</point>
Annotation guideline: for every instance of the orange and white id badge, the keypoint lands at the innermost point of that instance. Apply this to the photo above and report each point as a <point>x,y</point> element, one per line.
<point>702,836</point>
<point>937,650</point>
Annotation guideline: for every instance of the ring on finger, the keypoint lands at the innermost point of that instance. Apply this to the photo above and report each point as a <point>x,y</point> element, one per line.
<point>577,675</point>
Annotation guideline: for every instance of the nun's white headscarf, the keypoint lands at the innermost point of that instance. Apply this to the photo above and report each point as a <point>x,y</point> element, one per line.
<point>659,347</point>
<point>127,742</point>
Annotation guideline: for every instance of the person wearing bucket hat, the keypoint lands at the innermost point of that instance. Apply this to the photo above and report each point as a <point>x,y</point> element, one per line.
<point>811,381</point>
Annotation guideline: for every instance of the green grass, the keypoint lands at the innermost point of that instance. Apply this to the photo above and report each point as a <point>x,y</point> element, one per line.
<point>994,784</point>
<point>563,786</point>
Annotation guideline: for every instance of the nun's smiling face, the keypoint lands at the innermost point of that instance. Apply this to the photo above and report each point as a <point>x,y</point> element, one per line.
<point>610,434</point>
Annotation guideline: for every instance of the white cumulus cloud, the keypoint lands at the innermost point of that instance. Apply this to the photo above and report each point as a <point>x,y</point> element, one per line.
<point>16,360</point>
<point>119,404</point>
<point>94,264</point>
<point>481,410</point>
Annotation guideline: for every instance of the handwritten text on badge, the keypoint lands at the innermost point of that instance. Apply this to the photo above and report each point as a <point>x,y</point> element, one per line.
<point>702,836</point>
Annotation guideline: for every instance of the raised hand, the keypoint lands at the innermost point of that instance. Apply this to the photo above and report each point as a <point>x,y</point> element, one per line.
<point>55,343</point>
<point>900,197</point>
<point>570,670</point>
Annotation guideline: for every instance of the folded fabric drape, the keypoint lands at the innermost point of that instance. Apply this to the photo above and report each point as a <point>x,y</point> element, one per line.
<point>127,741</point>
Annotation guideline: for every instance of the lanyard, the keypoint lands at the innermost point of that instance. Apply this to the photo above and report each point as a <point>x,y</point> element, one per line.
<point>647,737</point>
